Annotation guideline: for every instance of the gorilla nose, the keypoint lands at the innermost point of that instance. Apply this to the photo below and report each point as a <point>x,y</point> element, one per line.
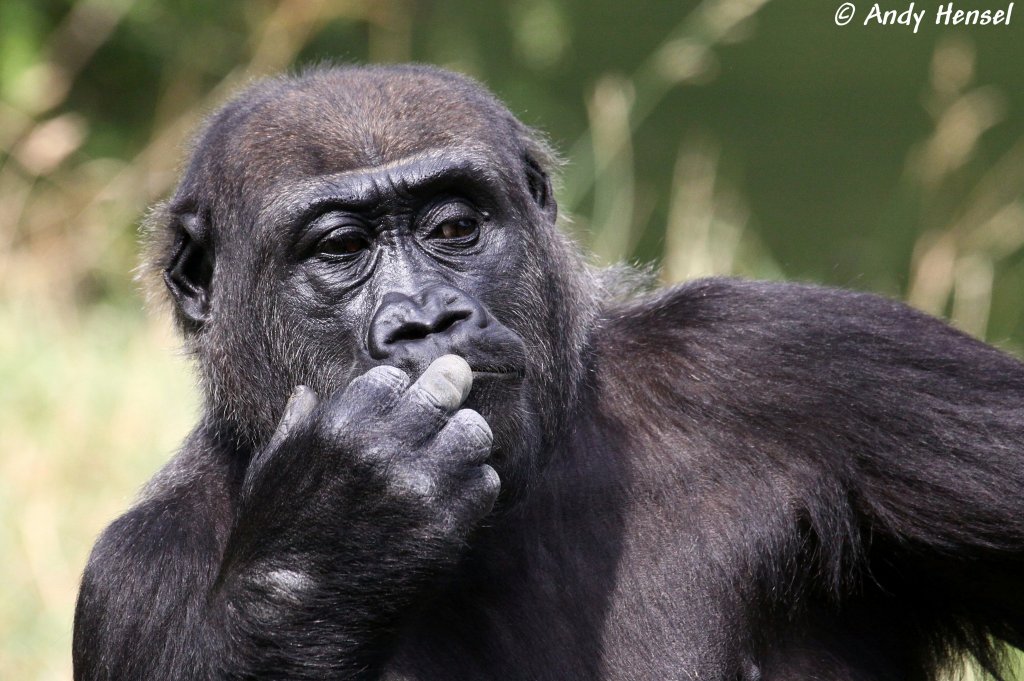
<point>428,324</point>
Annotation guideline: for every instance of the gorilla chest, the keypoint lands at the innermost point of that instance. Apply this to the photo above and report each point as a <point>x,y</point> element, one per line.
<point>595,600</point>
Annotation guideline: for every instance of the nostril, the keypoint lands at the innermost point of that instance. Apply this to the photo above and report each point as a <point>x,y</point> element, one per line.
<point>416,330</point>
<point>449,319</point>
<point>411,331</point>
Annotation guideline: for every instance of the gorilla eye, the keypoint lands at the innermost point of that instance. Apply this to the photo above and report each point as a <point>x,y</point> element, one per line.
<point>457,229</point>
<point>342,243</point>
<point>454,222</point>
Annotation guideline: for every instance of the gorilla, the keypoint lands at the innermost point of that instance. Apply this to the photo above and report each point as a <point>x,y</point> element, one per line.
<point>437,444</point>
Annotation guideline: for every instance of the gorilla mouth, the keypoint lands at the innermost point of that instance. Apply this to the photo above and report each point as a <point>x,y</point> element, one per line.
<point>495,389</point>
<point>499,374</point>
<point>493,353</point>
<point>500,356</point>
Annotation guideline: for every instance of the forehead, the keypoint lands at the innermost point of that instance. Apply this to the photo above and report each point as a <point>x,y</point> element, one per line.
<point>362,189</point>
<point>342,120</point>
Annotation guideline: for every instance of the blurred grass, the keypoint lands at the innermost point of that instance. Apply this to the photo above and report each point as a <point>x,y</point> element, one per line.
<point>91,404</point>
<point>681,123</point>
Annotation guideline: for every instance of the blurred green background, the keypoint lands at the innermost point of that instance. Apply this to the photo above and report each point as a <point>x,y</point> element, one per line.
<point>725,136</point>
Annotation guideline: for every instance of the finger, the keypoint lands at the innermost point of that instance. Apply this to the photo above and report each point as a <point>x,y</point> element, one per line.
<point>481,491</point>
<point>376,391</point>
<point>442,388</point>
<point>463,504</point>
<point>489,483</point>
<point>301,404</point>
<point>445,384</point>
<point>466,437</point>
<point>370,395</point>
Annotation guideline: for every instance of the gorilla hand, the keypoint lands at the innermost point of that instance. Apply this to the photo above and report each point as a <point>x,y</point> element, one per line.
<point>378,448</point>
<point>351,510</point>
<point>348,515</point>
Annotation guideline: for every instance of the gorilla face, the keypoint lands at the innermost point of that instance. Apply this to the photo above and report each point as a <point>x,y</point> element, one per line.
<point>320,236</point>
<point>397,265</point>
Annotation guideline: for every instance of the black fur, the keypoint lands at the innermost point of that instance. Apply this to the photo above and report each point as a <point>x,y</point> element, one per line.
<point>724,480</point>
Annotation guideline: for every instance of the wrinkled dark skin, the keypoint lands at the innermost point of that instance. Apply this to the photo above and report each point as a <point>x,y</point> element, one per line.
<point>437,445</point>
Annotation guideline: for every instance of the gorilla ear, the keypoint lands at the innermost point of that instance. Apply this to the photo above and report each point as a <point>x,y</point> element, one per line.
<point>189,273</point>
<point>539,184</point>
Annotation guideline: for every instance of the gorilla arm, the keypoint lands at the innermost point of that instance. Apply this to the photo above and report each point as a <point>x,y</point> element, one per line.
<point>894,443</point>
<point>350,510</point>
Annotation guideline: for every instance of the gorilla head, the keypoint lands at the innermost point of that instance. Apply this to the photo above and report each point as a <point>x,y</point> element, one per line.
<point>355,217</point>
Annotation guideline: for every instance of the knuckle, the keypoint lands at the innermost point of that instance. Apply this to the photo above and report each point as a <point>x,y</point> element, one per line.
<point>481,487</point>
<point>413,482</point>
<point>490,481</point>
<point>479,494</point>
<point>439,390</point>
<point>379,387</point>
<point>475,426</point>
<point>420,395</point>
<point>455,503</point>
<point>386,377</point>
